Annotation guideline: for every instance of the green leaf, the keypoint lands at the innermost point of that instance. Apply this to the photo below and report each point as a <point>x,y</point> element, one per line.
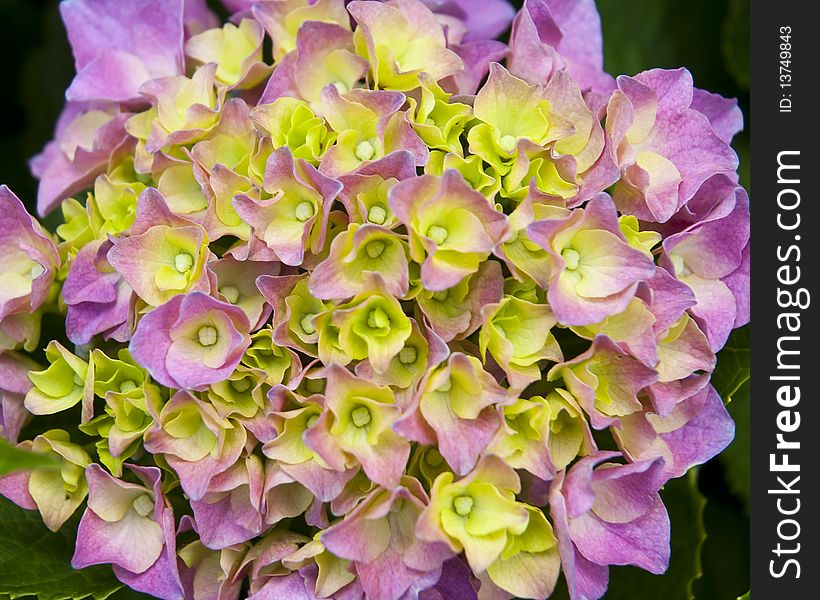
<point>733,368</point>
<point>37,562</point>
<point>743,149</point>
<point>735,458</point>
<point>725,555</point>
<point>126,593</point>
<point>746,596</point>
<point>13,458</point>
<point>732,381</point>
<point>735,45</point>
<point>685,505</point>
<point>618,25</point>
<point>647,34</point>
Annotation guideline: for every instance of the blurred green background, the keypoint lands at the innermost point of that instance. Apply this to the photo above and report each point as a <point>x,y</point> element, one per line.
<point>710,37</point>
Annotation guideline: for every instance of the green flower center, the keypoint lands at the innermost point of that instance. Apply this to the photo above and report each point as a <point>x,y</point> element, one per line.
<point>143,505</point>
<point>463,505</point>
<point>507,143</point>
<point>241,385</point>
<point>207,335</point>
<point>341,86</point>
<point>408,355</point>
<point>183,262</point>
<point>571,258</point>
<point>230,293</point>
<point>377,319</point>
<point>377,214</point>
<point>441,296</point>
<point>311,421</point>
<point>127,385</point>
<point>375,249</point>
<point>365,150</point>
<point>360,416</point>
<point>307,324</point>
<point>438,234</point>
<point>78,381</point>
<point>303,211</point>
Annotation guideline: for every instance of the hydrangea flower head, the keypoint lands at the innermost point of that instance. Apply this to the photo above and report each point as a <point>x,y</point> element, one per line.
<point>361,291</point>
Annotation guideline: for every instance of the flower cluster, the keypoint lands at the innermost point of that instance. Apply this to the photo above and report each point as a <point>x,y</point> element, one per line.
<point>361,303</point>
